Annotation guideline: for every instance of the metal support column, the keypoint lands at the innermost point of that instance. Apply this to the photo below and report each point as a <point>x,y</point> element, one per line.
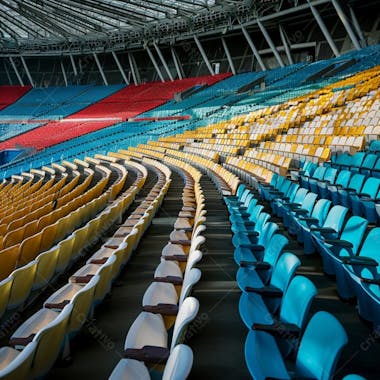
<point>228,55</point>
<point>357,27</point>
<point>118,64</point>
<point>16,71</point>
<point>253,48</point>
<point>64,73</point>
<point>176,63</point>
<point>73,65</point>
<point>162,59</point>
<point>100,69</point>
<point>132,66</point>
<point>346,24</point>
<point>204,56</point>
<point>286,45</point>
<point>270,43</point>
<point>154,63</point>
<point>324,30</point>
<point>27,71</point>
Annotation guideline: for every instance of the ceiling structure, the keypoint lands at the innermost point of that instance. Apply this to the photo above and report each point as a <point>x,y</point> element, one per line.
<point>99,25</point>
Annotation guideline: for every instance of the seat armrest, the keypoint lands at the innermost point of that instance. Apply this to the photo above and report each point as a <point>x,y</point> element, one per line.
<point>301,211</point>
<point>340,243</point>
<point>149,354</point>
<point>328,230</point>
<point>81,279</point>
<point>360,260</point>
<point>162,308</point>
<point>175,280</point>
<point>310,220</point>
<point>267,291</point>
<point>60,305</point>
<point>375,281</point>
<point>99,261</point>
<point>181,258</point>
<point>21,341</point>
<point>181,242</point>
<point>279,329</point>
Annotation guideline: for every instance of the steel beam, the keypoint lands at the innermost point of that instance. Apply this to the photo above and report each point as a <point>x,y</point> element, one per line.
<point>270,43</point>
<point>64,73</point>
<point>253,48</point>
<point>162,59</point>
<point>27,71</point>
<point>151,56</point>
<point>286,45</point>
<point>118,64</point>
<point>204,56</point>
<point>228,55</point>
<point>346,24</point>
<point>16,71</point>
<point>357,27</point>
<point>100,69</point>
<point>177,64</point>
<point>132,66</point>
<point>73,65</point>
<point>324,30</point>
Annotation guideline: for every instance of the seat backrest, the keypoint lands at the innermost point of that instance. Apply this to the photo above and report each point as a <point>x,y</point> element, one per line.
<point>371,187</point>
<point>284,270</point>
<point>356,182</point>
<point>105,277</point>
<point>309,201</point>
<point>179,363</point>
<point>291,193</point>
<point>240,190</point>
<point>343,178</point>
<point>82,302</point>
<point>252,205</point>
<point>261,220</point>
<point>49,342</point>
<point>354,231</point>
<point>320,347</point>
<point>20,367</point>
<point>369,161</point>
<point>335,218</point>
<point>370,247</point>
<point>254,214</point>
<point>300,195</point>
<point>187,312</point>
<point>319,172</point>
<point>190,279</point>
<point>320,210</point>
<point>193,258</point>
<point>267,232</point>
<point>357,159</point>
<point>330,174</point>
<point>297,300</point>
<point>274,248</point>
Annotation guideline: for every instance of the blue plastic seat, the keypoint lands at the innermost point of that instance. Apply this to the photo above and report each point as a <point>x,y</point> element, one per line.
<point>317,356</point>
<point>354,186</point>
<point>320,187</point>
<point>350,267</point>
<point>368,207</point>
<point>316,219</point>
<point>288,324</point>
<point>318,174</point>
<point>285,207</point>
<point>288,197</point>
<point>250,236</point>
<point>341,181</point>
<point>280,191</point>
<point>350,240</point>
<point>368,163</point>
<point>368,193</point>
<point>294,211</point>
<point>236,198</point>
<point>250,281</point>
<point>330,228</point>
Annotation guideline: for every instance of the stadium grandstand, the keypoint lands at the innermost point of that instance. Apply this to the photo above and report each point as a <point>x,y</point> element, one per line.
<point>190,189</point>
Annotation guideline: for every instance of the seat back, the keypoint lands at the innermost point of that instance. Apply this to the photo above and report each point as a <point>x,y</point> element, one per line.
<point>284,270</point>
<point>300,195</point>
<point>291,193</point>
<point>187,312</point>
<point>297,300</point>
<point>330,174</point>
<point>274,248</point>
<point>105,278</point>
<point>320,210</point>
<point>82,302</point>
<point>309,201</point>
<point>343,178</point>
<point>5,289</point>
<point>371,187</point>
<point>356,182</point>
<point>335,218</point>
<point>319,172</point>
<point>354,231</point>
<point>46,265</point>
<point>261,220</point>
<point>254,214</point>
<point>190,279</point>
<point>179,363</point>
<point>370,247</point>
<point>357,159</point>
<point>320,347</point>
<point>193,258</point>
<point>20,367</point>
<point>50,342</point>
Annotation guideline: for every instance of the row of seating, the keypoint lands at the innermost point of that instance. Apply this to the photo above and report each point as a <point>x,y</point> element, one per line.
<point>46,335</point>
<point>275,302</point>
<point>167,301</point>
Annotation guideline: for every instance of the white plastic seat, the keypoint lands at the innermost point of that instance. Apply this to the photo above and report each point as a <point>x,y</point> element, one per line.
<point>177,367</point>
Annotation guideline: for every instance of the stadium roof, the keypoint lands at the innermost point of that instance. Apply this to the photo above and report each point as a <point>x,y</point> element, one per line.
<point>24,23</point>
